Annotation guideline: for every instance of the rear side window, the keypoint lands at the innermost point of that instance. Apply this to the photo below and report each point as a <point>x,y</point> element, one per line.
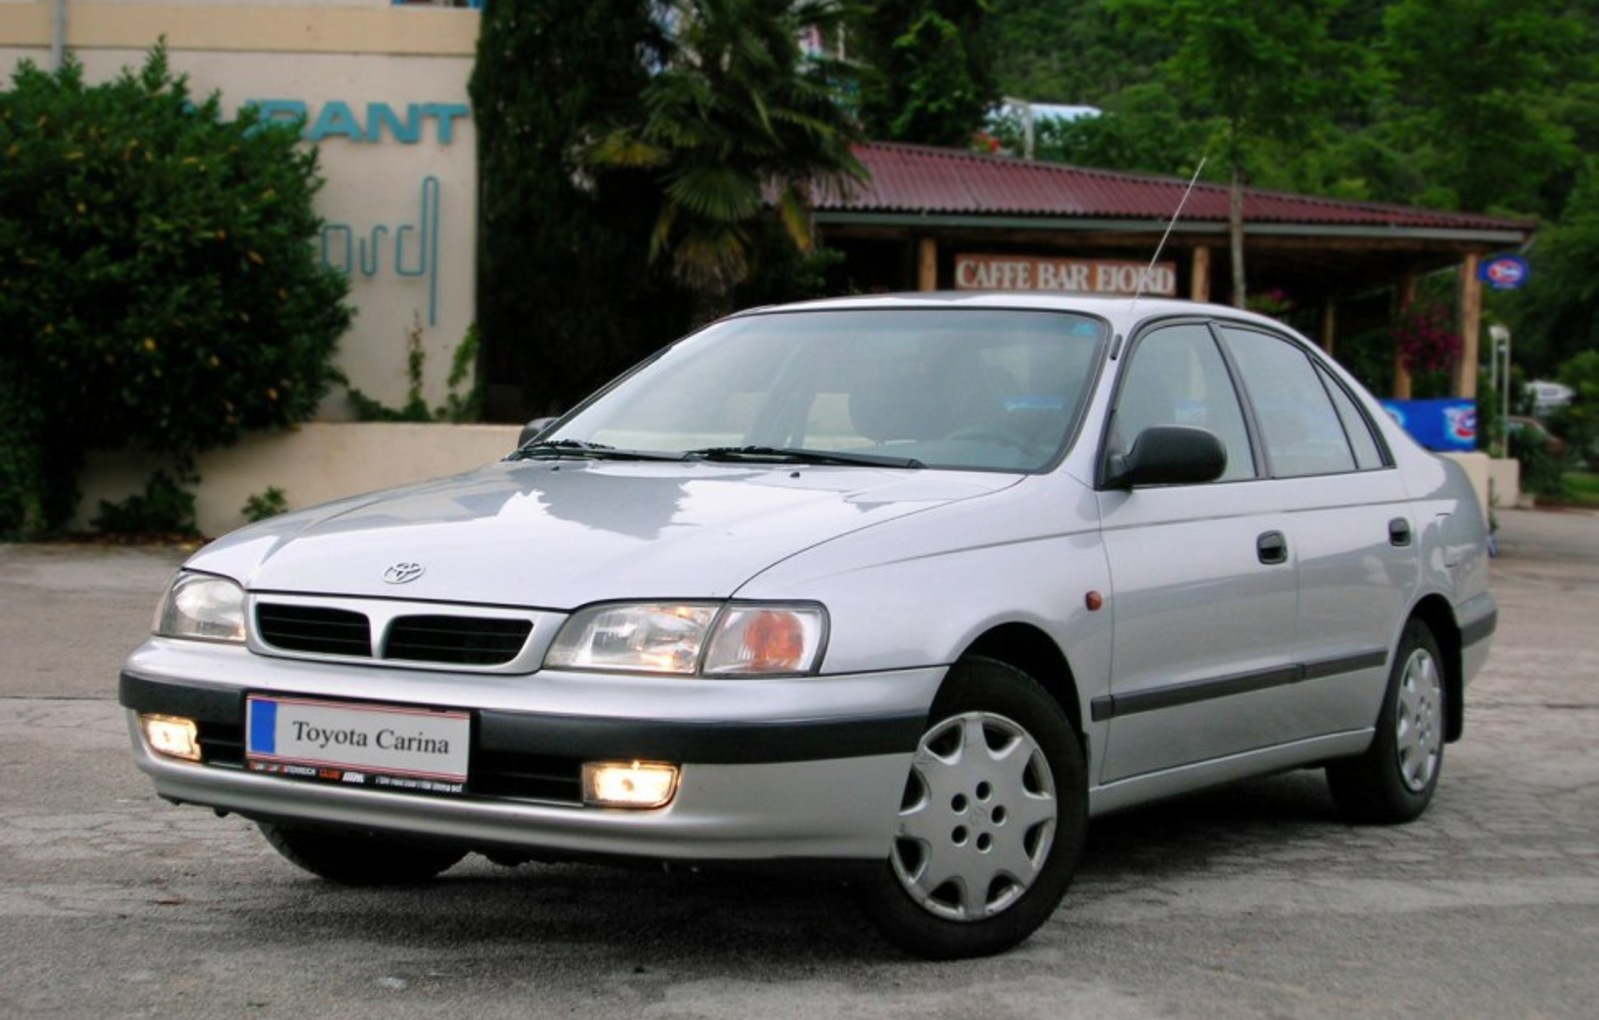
<point>1368,454</point>
<point>1300,428</point>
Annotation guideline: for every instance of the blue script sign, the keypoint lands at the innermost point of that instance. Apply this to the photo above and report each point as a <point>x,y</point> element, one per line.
<point>1448,425</point>
<point>1507,272</point>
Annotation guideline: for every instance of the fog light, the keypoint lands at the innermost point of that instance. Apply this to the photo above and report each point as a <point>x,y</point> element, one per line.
<point>172,736</point>
<point>628,784</point>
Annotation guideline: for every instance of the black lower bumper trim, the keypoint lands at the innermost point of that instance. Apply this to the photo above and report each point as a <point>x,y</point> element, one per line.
<point>1479,630</point>
<point>592,739</point>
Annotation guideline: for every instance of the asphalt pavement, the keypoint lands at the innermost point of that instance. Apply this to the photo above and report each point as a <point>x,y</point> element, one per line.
<point>1251,901</point>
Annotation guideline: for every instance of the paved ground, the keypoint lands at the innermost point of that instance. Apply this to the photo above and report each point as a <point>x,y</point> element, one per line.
<point>1253,901</point>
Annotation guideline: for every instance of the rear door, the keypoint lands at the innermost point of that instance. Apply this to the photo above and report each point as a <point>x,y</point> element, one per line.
<point>1353,530</point>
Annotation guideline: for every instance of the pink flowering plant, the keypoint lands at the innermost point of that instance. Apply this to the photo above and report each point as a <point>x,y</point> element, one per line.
<point>1426,339</point>
<point>1274,302</point>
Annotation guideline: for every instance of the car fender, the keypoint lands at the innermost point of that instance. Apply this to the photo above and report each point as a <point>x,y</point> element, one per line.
<point>1028,555</point>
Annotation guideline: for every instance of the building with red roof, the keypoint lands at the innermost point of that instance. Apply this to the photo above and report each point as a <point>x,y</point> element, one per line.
<point>933,218</point>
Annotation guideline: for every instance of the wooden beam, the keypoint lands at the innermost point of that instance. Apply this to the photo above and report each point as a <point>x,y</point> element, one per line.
<point>1199,282</point>
<point>1329,324</point>
<point>1408,286</point>
<point>927,264</point>
<point>1470,326</point>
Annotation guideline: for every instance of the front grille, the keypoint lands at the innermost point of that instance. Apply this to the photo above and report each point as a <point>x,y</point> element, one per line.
<point>317,630</point>
<point>456,640</point>
<point>222,744</point>
<point>412,634</point>
<point>517,776</point>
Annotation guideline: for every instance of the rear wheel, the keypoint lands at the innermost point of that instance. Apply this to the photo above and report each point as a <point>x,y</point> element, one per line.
<point>1394,780</point>
<point>355,858</point>
<point>992,821</point>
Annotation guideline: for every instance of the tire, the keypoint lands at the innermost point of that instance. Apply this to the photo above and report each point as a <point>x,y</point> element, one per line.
<point>1393,782</point>
<point>360,859</point>
<point>992,821</point>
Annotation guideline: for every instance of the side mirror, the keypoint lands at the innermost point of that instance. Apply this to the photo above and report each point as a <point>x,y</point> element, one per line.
<point>533,429</point>
<point>1168,455</point>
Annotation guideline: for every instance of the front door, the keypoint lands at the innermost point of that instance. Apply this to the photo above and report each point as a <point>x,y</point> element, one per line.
<point>1204,592</point>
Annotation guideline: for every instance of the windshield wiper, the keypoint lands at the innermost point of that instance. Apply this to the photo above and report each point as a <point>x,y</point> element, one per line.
<point>585,449</point>
<point>799,455</point>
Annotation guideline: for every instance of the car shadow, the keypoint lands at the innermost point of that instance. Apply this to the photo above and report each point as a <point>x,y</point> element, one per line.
<point>652,917</point>
<point>1252,817</point>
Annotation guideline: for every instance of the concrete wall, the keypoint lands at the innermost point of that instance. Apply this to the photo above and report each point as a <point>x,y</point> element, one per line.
<point>383,91</point>
<point>1480,469</point>
<point>312,464</point>
<point>1504,483</point>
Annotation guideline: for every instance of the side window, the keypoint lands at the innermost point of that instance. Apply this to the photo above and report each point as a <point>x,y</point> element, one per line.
<point>1368,454</point>
<point>1302,431</point>
<point>1176,376</point>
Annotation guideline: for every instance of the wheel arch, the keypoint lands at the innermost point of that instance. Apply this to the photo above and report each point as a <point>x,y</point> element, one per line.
<point>1032,651</point>
<point>1436,613</point>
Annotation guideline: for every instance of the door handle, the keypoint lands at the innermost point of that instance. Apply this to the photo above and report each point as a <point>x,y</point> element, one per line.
<point>1272,548</point>
<point>1399,532</point>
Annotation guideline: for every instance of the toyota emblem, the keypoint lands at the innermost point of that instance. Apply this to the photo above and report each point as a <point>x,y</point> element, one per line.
<point>402,573</point>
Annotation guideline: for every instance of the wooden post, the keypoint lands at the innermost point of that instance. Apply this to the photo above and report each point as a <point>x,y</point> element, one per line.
<point>1470,326</point>
<point>1199,278</point>
<point>927,264</point>
<point>1329,324</point>
<point>1407,297</point>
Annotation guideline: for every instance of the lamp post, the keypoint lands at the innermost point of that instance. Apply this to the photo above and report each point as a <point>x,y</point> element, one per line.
<point>1500,335</point>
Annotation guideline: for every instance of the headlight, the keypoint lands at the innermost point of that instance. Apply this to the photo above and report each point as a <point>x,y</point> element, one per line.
<point>203,608</point>
<point>708,639</point>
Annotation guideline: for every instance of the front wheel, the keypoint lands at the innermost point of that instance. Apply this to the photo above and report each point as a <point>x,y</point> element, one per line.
<point>992,820</point>
<point>357,858</point>
<point>1394,780</point>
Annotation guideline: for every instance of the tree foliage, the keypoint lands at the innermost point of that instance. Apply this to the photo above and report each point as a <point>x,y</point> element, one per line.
<point>629,153</point>
<point>566,294</point>
<point>1557,315</point>
<point>1475,99</point>
<point>1465,105</point>
<point>1073,51</point>
<point>737,119</point>
<point>157,281</point>
<point>933,77</point>
<point>1263,72</point>
<point>1142,128</point>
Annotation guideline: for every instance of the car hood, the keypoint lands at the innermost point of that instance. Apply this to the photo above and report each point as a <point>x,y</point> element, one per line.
<point>559,534</point>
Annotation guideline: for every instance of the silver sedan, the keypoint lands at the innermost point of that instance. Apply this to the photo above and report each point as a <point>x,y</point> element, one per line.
<point>913,586</point>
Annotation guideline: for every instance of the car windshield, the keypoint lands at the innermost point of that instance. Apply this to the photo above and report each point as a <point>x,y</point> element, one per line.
<point>977,389</point>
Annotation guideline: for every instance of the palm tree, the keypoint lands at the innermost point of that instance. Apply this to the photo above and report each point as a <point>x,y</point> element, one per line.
<point>738,121</point>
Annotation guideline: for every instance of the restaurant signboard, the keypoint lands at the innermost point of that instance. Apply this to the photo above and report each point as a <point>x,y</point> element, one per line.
<point>1062,275</point>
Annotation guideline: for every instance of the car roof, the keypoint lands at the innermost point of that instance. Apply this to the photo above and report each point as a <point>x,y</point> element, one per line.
<point>1120,311</point>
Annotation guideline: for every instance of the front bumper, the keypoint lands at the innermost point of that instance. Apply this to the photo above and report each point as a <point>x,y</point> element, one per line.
<point>809,767</point>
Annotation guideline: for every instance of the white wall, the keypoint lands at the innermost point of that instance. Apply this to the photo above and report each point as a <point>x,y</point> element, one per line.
<point>313,464</point>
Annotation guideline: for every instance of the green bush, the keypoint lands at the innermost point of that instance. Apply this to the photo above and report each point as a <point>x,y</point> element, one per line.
<point>1578,422</point>
<point>264,505</point>
<point>1541,471</point>
<point>164,508</point>
<point>458,407</point>
<point>157,281</point>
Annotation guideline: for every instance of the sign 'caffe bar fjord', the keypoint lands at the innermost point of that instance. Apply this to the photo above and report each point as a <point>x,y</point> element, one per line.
<point>1074,276</point>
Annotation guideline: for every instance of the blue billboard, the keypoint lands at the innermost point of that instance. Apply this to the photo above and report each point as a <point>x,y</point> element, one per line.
<point>1445,425</point>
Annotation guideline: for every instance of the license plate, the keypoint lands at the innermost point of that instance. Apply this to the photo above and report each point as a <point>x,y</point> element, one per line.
<point>362,745</point>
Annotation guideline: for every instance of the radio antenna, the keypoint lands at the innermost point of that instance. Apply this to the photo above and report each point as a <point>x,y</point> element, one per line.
<point>1170,224</point>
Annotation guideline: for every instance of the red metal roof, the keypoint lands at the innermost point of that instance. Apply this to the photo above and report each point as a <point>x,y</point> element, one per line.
<point>932,181</point>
